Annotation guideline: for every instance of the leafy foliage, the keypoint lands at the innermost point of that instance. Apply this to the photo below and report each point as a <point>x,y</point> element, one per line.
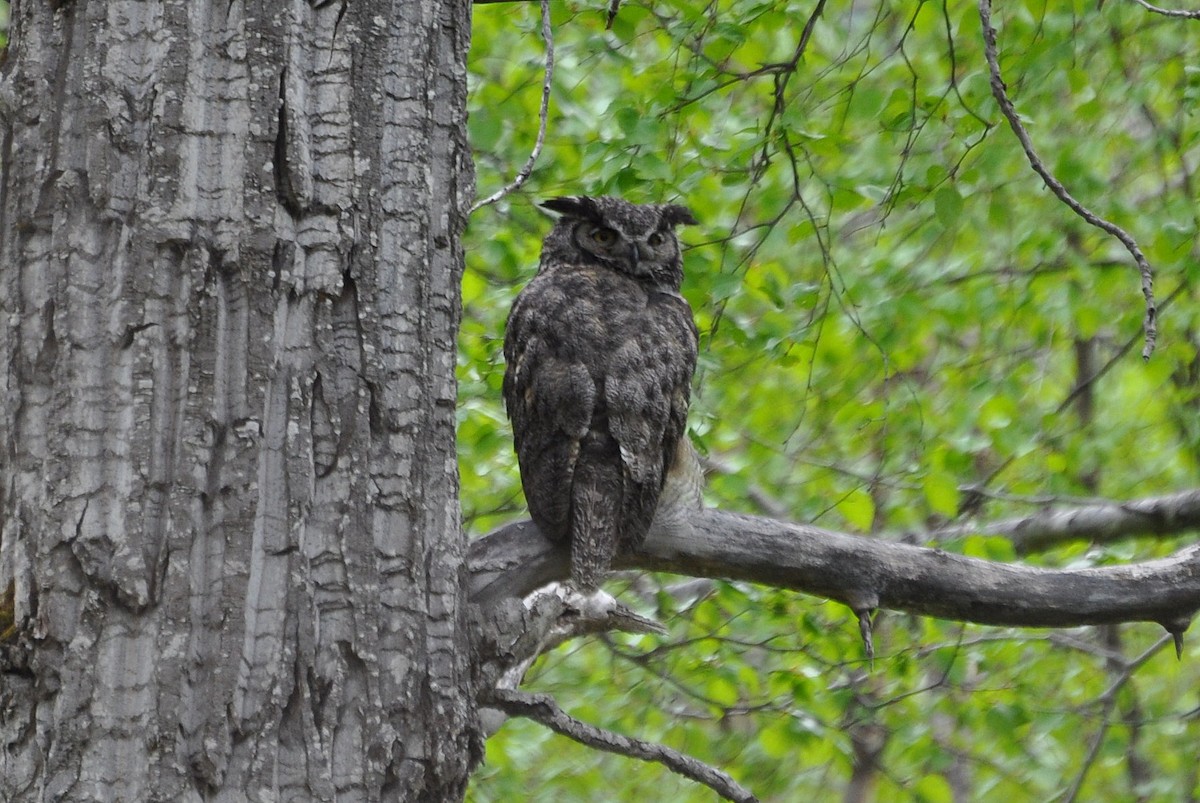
<point>900,327</point>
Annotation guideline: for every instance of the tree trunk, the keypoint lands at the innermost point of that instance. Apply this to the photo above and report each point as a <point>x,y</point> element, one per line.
<point>229,263</point>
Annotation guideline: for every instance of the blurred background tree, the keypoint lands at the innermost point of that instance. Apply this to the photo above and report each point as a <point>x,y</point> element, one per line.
<point>901,328</point>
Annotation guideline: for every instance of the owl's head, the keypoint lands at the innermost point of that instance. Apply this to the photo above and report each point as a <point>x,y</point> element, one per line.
<point>636,239</point>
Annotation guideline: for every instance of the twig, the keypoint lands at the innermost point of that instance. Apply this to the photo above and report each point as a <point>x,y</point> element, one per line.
<point>613,8</point>
<point>543,114</point>
<point>1072,793</point>
<point>1130,665</point>
<point>1115,358</point>
<point>1108,702</point>
<point>1169,12</point>
<point>1000,92</point>
<point>543,709</point>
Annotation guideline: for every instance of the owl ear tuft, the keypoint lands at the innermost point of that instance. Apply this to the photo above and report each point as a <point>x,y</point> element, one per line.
<point>579,206</point>
<point>677,214</point>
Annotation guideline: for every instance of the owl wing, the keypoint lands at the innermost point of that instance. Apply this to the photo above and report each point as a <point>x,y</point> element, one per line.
<point>550,398</point>
<point>646,393</point>
<point>597,386</point>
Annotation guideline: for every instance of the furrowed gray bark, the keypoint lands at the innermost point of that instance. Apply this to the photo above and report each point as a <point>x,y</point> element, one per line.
<point>229,264</point>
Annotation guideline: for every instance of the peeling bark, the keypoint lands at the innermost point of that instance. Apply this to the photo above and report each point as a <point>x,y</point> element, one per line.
<point>229,270</point>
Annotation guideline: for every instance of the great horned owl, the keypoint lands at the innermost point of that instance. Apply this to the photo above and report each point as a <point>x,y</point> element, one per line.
<point>600,349</point>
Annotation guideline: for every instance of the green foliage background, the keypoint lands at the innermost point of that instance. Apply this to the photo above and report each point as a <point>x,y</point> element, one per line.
<point>895,313</point>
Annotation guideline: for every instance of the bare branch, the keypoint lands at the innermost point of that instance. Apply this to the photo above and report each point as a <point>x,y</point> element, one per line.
<point>542,708</point>
<point>865,573</point>
<point>1117,355</point>
<point>511,636</point>
<point>1000,91</point>
<point>613,7</point>
<point>1099,523</point>
<point>1108,703</point>
<point>1169,12</point>
<point>543,115</point>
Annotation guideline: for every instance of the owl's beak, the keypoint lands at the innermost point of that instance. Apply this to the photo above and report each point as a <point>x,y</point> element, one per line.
<point>638,252</point>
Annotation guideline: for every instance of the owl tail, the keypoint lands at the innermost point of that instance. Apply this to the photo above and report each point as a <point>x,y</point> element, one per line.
<point>596,499</point>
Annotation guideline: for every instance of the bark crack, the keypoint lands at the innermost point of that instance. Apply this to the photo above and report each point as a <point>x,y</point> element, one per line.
<point>285,190</point>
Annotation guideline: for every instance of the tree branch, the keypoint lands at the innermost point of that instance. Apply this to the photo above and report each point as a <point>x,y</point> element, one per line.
<point>542,708</point>
<point>543,115</point>
<point>1099,523</point>
<point>509,637</point>
<point>1108,703</point>
<point>866,573</point>
<point>1166,12</point>
<point>1000,91</point>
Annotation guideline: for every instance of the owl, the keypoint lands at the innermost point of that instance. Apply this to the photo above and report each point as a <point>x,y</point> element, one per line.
<point>600,349</point>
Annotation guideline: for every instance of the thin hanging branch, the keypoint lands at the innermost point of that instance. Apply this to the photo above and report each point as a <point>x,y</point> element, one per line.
<point>542,708</point>
<point>543,114</point>
<point>1000,92</point>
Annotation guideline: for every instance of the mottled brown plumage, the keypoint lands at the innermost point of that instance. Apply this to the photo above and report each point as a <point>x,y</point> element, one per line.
<point>600,348</point>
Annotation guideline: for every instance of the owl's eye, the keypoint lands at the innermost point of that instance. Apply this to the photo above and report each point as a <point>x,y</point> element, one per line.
<point>604,236</point>
<point>656,239</point>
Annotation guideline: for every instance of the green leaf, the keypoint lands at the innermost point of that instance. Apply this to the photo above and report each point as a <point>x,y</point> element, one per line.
<point>485,129</point>
<point>941,493</point>
<point>858,509</point>
<point>934,789</point>
<point>948,205</point>
<point>891,306</point>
